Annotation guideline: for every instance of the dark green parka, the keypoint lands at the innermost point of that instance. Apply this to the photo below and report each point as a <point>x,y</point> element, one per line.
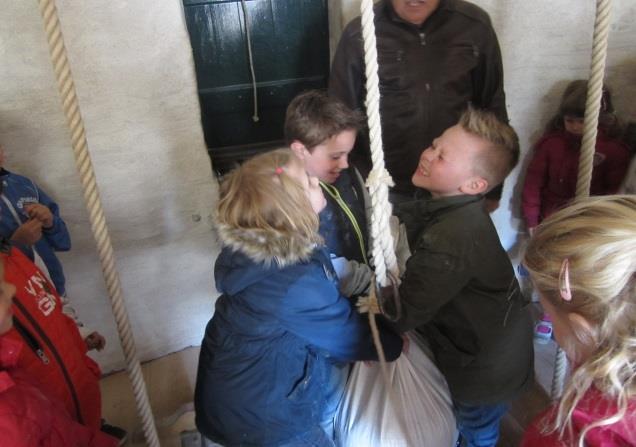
<point>460,291</point>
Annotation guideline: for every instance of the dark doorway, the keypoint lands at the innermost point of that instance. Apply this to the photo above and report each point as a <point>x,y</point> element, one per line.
<point>290,53</point>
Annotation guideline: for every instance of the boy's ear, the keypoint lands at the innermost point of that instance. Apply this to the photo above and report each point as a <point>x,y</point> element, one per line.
<point>474,185</point>
<point>299,149</point>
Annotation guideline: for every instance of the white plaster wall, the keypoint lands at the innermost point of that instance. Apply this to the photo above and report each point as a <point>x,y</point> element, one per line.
<point>134,75</point>
<point>135,80</point>
<point>545,44</point>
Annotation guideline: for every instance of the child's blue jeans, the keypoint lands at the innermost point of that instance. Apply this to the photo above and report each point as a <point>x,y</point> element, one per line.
<point>479,424</point>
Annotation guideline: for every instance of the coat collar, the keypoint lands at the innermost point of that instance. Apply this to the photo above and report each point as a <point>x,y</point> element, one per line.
<point>433,206</point>
<point>267,246</point>
<point>389,11</point>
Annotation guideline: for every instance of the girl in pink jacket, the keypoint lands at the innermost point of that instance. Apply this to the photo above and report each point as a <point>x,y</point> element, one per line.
<point>552,173</point>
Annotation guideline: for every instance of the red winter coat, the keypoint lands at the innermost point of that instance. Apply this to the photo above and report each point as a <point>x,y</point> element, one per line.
<point>592,407</point>
<point>28,418</point>
<point>552,174</point>
<point>62,370</point>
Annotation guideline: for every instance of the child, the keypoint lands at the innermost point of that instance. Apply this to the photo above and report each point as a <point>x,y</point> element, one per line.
<point>31,219</point>
<point>553,171</point>
<point>30,417</point>
<point>581,260</point>
<point>459,289</point>
<point>322,131</point>
<point>272,363</point>
<point>53,353</point>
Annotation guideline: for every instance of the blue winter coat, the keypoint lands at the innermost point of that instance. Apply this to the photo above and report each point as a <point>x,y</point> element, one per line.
<point>21,191</point>
<point>271,347</point>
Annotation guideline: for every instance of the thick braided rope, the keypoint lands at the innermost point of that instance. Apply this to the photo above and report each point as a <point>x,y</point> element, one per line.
<point>379,179</point>
<point>560,371</point>
<point>594,93</point>
<point>84,165</point>
<point>588,144</point>
<point>378,182</point>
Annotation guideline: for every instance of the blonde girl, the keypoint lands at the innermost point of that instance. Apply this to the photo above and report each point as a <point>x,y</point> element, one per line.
<point>582,260</point>
<point>274,358</point>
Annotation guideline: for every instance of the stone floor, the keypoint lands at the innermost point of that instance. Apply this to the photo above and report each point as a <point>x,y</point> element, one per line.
<point>170,381</point>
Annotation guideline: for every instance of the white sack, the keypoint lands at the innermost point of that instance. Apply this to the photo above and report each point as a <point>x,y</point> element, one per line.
<point>419,414</point>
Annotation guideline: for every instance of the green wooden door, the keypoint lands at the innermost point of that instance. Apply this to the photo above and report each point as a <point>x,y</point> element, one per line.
<point>290,48</point>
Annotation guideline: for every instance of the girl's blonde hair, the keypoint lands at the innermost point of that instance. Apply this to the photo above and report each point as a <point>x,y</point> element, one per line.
<point>598,238</point>
<point>266,212</point>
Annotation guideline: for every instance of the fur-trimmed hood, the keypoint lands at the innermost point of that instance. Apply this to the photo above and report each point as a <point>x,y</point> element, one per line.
<point>248,256</point>
<point>266,247</point>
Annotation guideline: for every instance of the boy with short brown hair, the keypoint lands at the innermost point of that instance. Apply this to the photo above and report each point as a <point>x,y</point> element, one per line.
<point>321,131</point>
<point>459,289</point>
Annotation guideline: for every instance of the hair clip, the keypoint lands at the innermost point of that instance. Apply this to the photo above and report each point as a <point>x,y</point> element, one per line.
<point>564,281</point>
<point>278,170</point>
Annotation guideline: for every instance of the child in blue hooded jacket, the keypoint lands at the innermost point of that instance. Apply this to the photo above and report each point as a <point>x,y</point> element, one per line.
<point>273,360</point>
<point>31,219</point>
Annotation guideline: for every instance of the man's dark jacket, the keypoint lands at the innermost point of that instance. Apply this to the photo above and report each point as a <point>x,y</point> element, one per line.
<point>460,291</point>
<point>428,76</point>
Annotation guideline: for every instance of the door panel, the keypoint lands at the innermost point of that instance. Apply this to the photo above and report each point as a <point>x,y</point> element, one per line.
<point>290,47</point>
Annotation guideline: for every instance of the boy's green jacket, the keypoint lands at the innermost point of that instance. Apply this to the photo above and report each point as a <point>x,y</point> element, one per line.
<point>459,290</point>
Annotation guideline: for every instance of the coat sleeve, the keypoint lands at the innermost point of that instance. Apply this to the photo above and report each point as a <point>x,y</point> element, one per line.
<point>316,312</point>
<point>535,181</point>
<point>434,276</point>
<point>488,78</point>
<point>57,236</point>
<point>347,79</point>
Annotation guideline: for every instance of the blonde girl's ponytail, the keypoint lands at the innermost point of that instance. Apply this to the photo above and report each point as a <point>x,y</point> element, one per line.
<point>596,237</point>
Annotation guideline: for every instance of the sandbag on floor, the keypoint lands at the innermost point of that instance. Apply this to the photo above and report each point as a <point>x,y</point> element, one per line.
<point>420,415</point>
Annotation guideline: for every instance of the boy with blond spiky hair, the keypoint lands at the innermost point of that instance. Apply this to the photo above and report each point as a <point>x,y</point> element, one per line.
<point>459,289</point>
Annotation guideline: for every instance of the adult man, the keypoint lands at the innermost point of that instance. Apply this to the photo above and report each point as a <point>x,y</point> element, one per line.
<point>435,57</point>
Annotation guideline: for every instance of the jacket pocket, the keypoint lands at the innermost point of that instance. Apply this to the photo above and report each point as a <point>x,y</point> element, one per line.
<point>455,70</point>
<point>392,71</point>
<point>309,378</point>
<point>447,352</point>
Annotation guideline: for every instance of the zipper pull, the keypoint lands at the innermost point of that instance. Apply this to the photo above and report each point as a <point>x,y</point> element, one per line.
<point>42,355</point>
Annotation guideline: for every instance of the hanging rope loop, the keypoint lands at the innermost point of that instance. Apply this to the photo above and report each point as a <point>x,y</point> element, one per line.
<point>379,181</point>
<point>594,95</point>
<point>84,165</point>
<point>248,38</point>
<point>588,143</point>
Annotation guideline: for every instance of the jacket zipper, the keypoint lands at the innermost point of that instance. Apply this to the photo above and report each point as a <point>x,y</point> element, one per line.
<point>30,340</point>
<point>47,341</point>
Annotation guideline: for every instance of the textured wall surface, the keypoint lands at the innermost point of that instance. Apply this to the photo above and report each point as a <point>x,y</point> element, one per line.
<point>545,44</point>
<point>134,76</point>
